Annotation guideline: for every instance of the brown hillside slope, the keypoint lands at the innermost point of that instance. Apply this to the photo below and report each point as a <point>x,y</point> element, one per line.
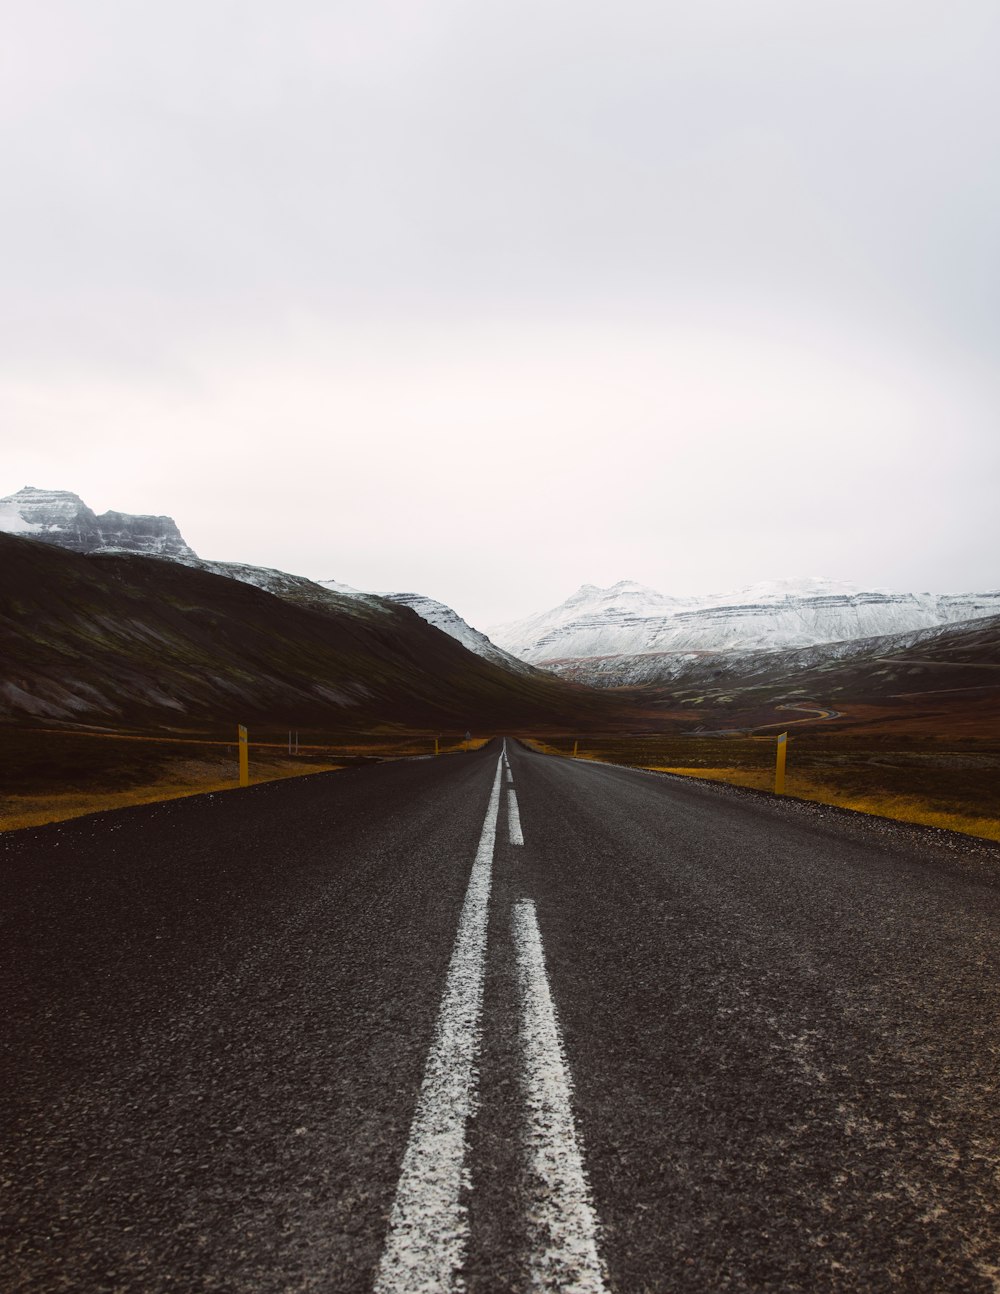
<point>129,641</point>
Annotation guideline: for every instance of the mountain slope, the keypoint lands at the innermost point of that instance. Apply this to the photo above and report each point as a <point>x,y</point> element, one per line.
<point>450,622</point>
<point>628,620</point>
<point>942,684</point>
<point>62,518</point>
<point>126,640</point>
<point>331,593</point>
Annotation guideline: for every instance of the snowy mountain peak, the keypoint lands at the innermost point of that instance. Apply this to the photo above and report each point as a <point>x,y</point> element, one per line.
<point>625,592</point>
<point>62,518</point>
<point>450,622</point>
<point>809,587</point>
<point>629,619</point>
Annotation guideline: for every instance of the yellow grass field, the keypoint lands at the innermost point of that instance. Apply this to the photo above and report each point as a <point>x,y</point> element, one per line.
<point>50,776</point>
<point>922,782</point>
<point>189,777</point>
<point>905,808</point>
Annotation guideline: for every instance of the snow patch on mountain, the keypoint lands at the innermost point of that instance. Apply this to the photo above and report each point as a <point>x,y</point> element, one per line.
<point>293,588</point>
<point>14,522</point>
<point>442,617</point>
<point>450,622</point>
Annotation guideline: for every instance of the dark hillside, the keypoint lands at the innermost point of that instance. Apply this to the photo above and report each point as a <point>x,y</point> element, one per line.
<point>944,686</point>
<point>127,640</point>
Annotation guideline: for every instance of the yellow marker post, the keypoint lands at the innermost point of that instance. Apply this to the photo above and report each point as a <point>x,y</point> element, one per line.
<point>576,745</point>
<point>437,750</point>
<point>779,764</point>
<point>244,758</point>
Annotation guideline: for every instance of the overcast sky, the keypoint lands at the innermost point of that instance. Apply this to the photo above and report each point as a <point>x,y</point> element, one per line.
<point>487,300</point>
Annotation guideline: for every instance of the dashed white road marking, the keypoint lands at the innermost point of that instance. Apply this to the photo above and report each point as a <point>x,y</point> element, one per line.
<point>513,819</point>
<point>510,775</point>
<point>428,1227</point>
<point>563,1224</point>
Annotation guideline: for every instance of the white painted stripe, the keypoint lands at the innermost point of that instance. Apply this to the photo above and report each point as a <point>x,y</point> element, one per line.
<point>510,775</point>
<point>561,1215</point>
<point>513,819</point>
<point>428,1227</point>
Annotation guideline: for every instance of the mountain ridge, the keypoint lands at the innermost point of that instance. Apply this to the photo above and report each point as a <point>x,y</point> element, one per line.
<point>630,620</point>
<point>62,518</point>
<point>137,640</point>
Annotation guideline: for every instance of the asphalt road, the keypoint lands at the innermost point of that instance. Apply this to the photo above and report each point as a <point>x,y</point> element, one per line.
<point>346,1034</point>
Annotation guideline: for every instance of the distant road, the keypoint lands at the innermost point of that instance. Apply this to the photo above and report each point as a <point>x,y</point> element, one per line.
<point>934,664</point>
<point>816,713</point>
<point>498,1025</point>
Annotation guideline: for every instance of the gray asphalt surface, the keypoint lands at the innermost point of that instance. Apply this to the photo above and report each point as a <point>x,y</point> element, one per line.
<point>781,1026</point>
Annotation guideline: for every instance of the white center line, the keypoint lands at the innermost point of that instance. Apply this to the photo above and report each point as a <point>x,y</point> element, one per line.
<point>563,1223</point>
<point>513,819</point>
<point>429,1226</point>
<point>510,775</point>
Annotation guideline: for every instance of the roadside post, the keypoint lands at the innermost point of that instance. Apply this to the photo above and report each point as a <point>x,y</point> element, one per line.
<point>468,739</point>
<point>244,757</point>
<point>437,749</point>
<point>576,746</point>
<point>779,764</point>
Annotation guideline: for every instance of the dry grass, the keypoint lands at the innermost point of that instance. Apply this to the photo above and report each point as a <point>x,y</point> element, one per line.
<point>906,808</point>
<point>917,781</point>
<point>190,777</point>
<point>49,775</point>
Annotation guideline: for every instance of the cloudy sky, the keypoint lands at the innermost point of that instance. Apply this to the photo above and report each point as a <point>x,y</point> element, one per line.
<point>487,300</point>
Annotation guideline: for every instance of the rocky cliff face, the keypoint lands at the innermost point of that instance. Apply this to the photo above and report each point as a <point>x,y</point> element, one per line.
<point>628,620</point>
<point>62,518</point>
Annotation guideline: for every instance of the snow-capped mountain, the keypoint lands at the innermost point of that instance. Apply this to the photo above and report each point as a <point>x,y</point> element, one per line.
<point>629,619</point>
<point>443,617</point>
<point>62,518</point>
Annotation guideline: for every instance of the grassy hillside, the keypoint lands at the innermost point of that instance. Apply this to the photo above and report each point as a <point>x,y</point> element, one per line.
<point>125,641</point>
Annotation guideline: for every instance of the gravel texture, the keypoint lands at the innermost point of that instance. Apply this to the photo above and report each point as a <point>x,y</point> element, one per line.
<point>779,1022</point>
